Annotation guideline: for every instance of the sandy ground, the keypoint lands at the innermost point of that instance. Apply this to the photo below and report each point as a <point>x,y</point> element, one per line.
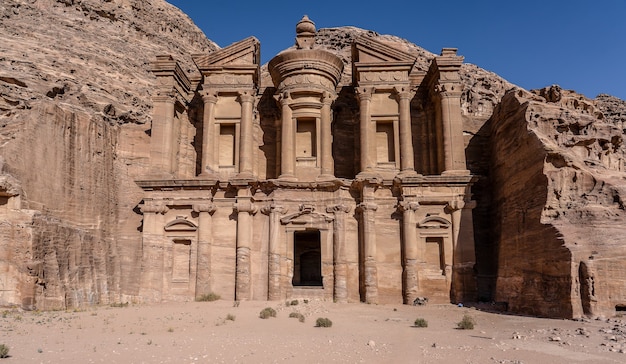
<point>198,332</point>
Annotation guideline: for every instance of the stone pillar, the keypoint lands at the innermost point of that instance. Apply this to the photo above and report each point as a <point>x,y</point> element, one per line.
<point>245,209</point>
<point>453,145</point>
<point>209,97</point>
<point>411,252</point>
<point>162,148</point>
<point>370,271</point>
<point>368,162</point>
<point>246,139</point>
<point>152,251</point>
<point>273,261</point>
<point>288,142</point>
<point>205,239</point>
<point>407,159</point>
<point>463,282</point>
<point>327,164</point>
<point>340,273</point>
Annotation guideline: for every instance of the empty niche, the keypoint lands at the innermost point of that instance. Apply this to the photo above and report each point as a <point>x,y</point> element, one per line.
<point>181,260</point>
<point>385,150</point>
<point>227,145</point>
<point>434,253</point>
<point>306,138</point>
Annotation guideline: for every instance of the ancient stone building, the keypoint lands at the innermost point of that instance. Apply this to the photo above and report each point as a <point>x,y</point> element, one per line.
<point>305,183</point>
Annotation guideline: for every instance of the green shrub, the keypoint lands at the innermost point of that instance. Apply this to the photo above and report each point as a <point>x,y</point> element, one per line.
<point>4,351</point>
<point>420,322</point>
<point>294,302</point>
<point>466,323</point>
<point>208,297</point>
<point>297,315</point>
<point>267,312</point>
<point>120,304</point>
<point>323,322</point>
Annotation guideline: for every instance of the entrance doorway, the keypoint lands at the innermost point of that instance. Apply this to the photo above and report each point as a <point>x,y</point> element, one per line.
<point>307,258</point>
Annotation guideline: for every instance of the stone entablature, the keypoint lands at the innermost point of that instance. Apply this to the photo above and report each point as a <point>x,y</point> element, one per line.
<point>267,213</point>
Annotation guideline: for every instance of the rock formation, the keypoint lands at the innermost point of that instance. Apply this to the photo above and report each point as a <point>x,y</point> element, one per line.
<point>76,111</point>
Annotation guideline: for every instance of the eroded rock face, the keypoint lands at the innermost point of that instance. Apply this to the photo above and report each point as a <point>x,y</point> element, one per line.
<point>558,172</point>
<point>75,107</point>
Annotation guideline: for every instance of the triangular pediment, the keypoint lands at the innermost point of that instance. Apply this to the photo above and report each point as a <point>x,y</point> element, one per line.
<point>243,53</point>
<point>369,50</point>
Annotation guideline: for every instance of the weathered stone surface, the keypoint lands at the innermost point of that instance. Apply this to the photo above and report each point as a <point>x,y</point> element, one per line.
<point>558,171</point>
<point>76,110</point>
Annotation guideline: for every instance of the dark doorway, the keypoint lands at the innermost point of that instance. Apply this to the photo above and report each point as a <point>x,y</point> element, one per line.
<point>307,258</point>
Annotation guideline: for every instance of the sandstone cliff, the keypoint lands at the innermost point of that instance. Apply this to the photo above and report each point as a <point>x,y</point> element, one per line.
<point>75,86</point>
<point>75,107</point>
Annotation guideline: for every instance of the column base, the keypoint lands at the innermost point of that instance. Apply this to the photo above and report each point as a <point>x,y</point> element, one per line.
<point>370,176</point>
<point>408,173</point>
<point>456,172</point>
<point>287,178</point>
<point>325,178</point>
<point>207,175</point>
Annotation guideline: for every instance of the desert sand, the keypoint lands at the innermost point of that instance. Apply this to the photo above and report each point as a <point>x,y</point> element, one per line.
<point>199,332</point>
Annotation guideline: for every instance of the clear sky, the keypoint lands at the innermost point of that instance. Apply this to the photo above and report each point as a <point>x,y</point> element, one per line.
<point>577,44</point>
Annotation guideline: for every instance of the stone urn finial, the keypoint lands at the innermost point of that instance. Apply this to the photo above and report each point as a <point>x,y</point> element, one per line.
<point>305,33</point>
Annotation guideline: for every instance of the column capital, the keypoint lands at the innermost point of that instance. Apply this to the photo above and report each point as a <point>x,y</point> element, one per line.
<point>246,96</point>
<point>268,209</point>
<point>154,207</point>
<point>204,207</point>
<point>364,93</point>
<point>338,208</point>
<point>328,98</point>
<point>454,205</point>
<point>284,98</point>
<point>448,89</point>
<point>165,94</point>
<point>408,205</point>
<point>403,93</point>
<point>245,206</point>
<point>209,95</point>
<point>367,206</point>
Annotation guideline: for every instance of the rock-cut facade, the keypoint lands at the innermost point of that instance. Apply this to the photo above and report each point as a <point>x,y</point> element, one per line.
<point>305,183</point>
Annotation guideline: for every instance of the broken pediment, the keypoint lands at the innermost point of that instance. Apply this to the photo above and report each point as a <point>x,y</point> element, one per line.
<point>244,53</point>
<point>377,63</point>
<point>369,50</point>
<point>306,215</point>
<point>434,222</point>
<point>180,224</point>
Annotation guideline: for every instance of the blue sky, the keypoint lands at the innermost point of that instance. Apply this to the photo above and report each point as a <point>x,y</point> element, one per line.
<point>577,44</point>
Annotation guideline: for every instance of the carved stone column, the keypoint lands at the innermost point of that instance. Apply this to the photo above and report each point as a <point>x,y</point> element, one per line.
<point>340,273</point>
<point>205,239</point>
<point>370,275</point>
<point>452,125</point>
<point>288,142</point>
<point>246,140</point>
<point>273,262</point>
<point>407,160</point>
<point>162,147</point>
<point>368,162</point>
<point>209,98</point>
<point>245,209</point>
<point>327,165</point>
<point>463,282</point>
<point>152,251</point>
<point>411,252</point>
